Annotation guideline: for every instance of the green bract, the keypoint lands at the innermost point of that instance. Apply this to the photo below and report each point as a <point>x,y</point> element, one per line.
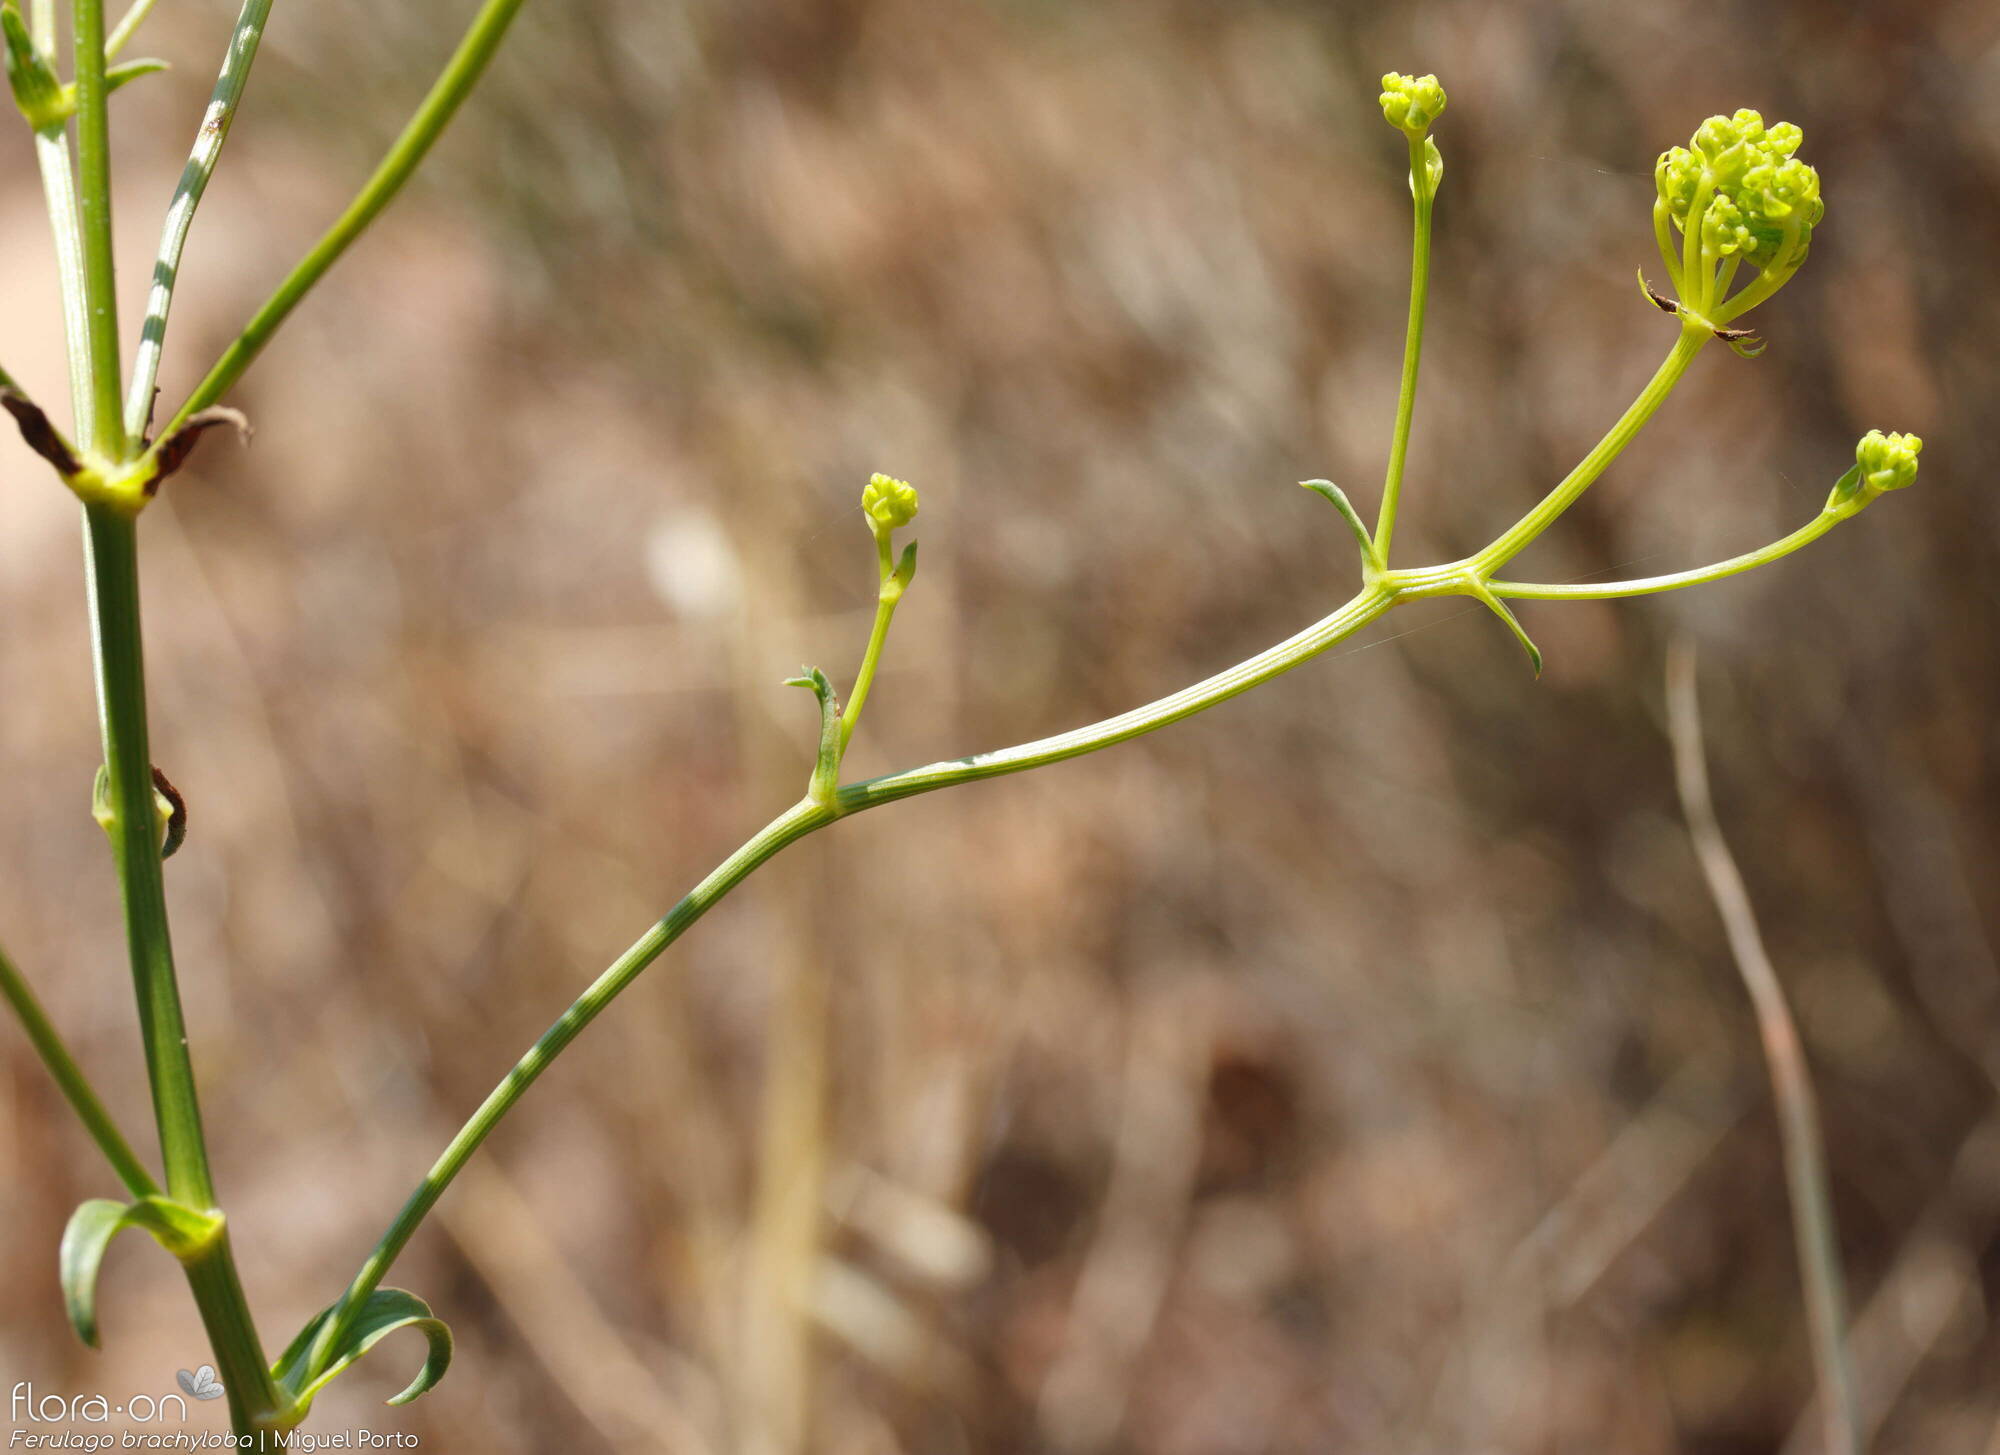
<point>37,90</point>
<point>1411,103</point>
<point>1433,167</point>
<point>1737,194</point>
<point>890,503</point>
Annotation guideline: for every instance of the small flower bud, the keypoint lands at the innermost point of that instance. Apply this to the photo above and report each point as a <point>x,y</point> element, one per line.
<point>1887,461</point>
<point>37,91</point>
<point>1730,145</point>
<point>1411,103</point>
<point>1723,231</point>
<point>1777,198</point>
<point>888,503</point>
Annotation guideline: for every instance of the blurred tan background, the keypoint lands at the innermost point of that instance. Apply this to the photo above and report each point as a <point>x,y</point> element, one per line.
<point>1357,1068</point>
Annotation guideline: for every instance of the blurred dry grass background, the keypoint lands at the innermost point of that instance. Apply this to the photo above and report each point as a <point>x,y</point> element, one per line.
<point>1356,1068</point>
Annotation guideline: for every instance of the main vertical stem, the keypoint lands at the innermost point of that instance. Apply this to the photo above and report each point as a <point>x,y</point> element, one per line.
<point>135,843</point>
<point>91,300</point>
<point>106,435</point>
<point>134,827</point>
<point>254,1403</point>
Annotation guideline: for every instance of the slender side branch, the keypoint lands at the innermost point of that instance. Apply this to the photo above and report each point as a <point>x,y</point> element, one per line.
<point>446,95</point>
<point>1368,605</point>
<point>1820,524</point>
<point>123,31</point>
<point>1516,538</point>
<point>871,658</point>
<point>790,826</point>
<point>215,124</point>
<point>794,824</point>
<point>1791,1081</point>
<point>1423,192</point>
<point>75,1086</point>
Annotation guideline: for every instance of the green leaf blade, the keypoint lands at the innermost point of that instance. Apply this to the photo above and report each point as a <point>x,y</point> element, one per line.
<point>387,1311</point>
<point>179,1229</point>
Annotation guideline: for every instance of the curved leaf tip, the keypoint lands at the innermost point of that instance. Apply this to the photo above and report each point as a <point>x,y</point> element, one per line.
<point>387,1311</point>
<point>179,1229</point>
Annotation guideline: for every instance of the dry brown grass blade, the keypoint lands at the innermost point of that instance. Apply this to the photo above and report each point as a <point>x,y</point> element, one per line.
<point>1791,1083</point>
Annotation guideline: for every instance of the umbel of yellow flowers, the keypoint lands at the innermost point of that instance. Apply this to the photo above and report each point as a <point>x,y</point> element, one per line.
<point>1738,195</point>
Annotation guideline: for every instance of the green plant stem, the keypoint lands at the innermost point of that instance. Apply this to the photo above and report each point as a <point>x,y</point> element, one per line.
<point>52,156</point>
<point>1517,537</point>
<point>135,841</point>
<point>1423,197</point>
<point>80,213</point>
<point>106,433</point>
<point>1371,603</point>
<point>255,1403</point>
<point>447,94</point>
<point>1825,521</point>
<point>795,823</point>
<point>214,131</point>
<point>1806,1178</point>
<point>134,828</point>
<point>1663,234</point>
<point>122,32</point>
<point>878,635</point>
<point>75,1086</point>
<point>1695,278</point>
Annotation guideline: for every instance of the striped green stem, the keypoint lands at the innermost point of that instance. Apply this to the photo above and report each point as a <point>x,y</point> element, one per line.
<point>447,94</point>
<point>207,149</point>
<point>52,156</point>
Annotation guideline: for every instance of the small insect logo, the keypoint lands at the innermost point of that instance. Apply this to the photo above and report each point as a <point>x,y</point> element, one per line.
<point>202,1384</point>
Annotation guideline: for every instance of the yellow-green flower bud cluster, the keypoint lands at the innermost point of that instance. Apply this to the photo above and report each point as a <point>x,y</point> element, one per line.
<point>1887,461</point>
<point>1411,103</point>
<point>889,504</point>
<point>1754,199</point>
<point>1882,462</point>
